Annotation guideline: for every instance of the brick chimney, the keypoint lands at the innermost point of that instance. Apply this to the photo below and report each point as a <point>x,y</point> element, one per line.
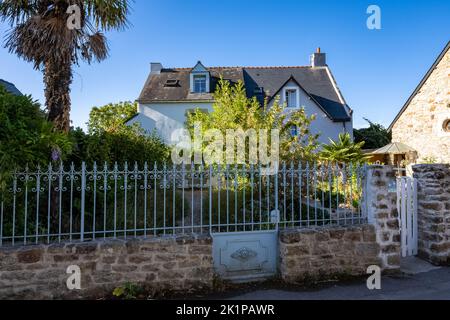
<point>318,59</point>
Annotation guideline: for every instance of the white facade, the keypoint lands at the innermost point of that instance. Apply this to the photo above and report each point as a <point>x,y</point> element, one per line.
<point>166,118</point>
<point>322,125</point>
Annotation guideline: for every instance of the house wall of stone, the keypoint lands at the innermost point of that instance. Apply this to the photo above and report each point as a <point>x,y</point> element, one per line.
<point>421,125</point>
<point>433,183</point>
<point>158,264</point>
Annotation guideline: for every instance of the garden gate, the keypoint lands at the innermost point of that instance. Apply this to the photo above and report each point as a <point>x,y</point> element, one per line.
<point>245,246</point>
<point>407,209</point>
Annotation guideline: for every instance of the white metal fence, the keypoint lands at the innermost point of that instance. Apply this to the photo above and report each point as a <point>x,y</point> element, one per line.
<point>61,204</point>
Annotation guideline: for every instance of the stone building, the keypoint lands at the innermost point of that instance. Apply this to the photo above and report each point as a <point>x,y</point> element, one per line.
<point>424,121</point>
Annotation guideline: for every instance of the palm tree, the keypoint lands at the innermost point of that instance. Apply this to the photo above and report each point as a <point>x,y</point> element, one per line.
<point>343,151</point>
<point>40,34</point>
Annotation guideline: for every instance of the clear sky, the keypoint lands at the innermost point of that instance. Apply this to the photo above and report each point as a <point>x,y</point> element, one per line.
<point>376,70</point>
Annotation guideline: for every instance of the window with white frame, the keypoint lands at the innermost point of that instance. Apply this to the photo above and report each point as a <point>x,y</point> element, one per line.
<point>291,98</point>
<point>199,83</point>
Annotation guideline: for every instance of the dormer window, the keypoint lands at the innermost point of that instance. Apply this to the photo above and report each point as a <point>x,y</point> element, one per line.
<point>199,83</point>
<point>291,97</point>
<point>200,79</point>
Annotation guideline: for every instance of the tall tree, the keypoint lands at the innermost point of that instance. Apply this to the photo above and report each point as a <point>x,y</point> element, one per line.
<point>232,109</point>
<point>375,136</point>
<point>41,33</point>
<point>111,117</point>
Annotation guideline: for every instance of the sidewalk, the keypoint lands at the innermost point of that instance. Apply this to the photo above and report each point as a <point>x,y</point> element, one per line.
<point>418,281</point>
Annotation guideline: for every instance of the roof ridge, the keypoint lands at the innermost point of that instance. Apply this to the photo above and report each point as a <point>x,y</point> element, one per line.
<point>243,67</point>
<point>184,69</point>
<point>277,67</point>
<point>6,81</point>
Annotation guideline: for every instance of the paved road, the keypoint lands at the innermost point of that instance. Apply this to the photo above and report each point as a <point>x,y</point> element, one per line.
<point>430,285</point>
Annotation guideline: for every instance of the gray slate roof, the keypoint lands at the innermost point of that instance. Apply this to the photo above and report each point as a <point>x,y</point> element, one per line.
<point>315,81</point>
<point>155,91</point>
<point>11,88</point>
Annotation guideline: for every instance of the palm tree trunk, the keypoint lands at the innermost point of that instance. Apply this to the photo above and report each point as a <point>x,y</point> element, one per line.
<point>57,79</point>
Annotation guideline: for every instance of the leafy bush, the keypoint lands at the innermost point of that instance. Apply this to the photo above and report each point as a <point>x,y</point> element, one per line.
<point>110,117</point>
<point>232,109</point>
<point>129,291</point>
<point>26,137</point>
<point>127,144</point>
<point>429,160</point>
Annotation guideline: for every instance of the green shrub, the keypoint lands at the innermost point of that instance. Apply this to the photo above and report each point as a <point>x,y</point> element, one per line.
<point>129,291</point>
<point>343,151</point>
<point>26,137</point>
<point>129,144</point>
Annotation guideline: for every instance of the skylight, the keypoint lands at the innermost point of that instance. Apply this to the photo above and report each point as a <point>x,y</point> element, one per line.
<point>172,83</point>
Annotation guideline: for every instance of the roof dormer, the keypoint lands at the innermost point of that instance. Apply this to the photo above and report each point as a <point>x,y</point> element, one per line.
<point>200,79</point>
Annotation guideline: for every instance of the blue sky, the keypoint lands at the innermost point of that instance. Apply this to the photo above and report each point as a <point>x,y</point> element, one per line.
<point>376,70</point>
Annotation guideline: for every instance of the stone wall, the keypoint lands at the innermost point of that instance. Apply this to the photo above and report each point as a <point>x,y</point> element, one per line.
<point>185,263</point>
<point>39,272</point>
<point>326,253</point>
<point>383,214</point>
<point>433,183</point>
<point>421,125</point>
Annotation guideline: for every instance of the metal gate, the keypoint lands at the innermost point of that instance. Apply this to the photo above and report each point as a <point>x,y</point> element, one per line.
<point>245,229</point>
<point>245,256</point>
<point>245,247</point>
<point>407,209</point>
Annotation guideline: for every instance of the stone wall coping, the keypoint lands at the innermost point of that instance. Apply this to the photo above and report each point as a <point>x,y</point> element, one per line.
<point>431,166</point>
<point>312,229</point>
<point>180,239</point>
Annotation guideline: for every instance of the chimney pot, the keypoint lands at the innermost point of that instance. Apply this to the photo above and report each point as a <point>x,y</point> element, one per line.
<point>318,59</point>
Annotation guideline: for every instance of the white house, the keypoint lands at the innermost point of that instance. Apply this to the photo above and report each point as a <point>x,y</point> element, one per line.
<point>169,94</point>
